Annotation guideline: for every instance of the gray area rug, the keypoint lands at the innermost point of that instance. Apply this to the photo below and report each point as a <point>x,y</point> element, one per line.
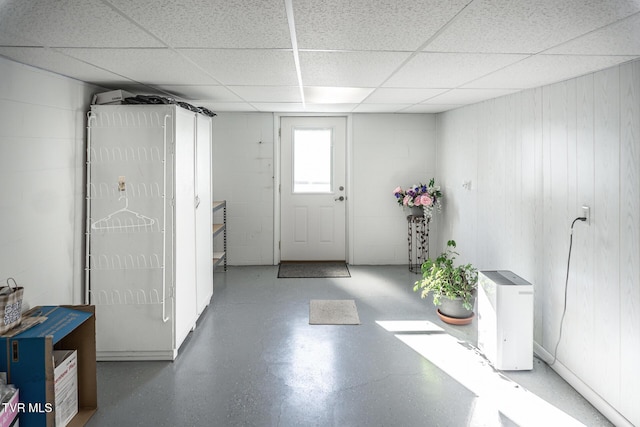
<point>333,312</point>
<point>319,269</point>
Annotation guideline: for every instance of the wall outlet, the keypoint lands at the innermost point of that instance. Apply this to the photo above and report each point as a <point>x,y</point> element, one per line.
<point>586,212</point>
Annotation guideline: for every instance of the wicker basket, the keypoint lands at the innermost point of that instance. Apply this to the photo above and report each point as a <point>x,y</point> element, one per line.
<point>10,306</point>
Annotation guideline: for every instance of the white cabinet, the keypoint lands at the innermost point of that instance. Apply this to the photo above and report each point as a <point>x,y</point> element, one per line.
<point>505,320</point>
<point>148,191</point>
<point>204,216</point>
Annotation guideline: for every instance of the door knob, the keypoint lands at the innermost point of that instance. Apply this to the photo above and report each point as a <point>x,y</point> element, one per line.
<point>341,198</point>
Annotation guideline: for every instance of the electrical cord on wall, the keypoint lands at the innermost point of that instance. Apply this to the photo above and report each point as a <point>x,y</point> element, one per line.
<point>566,284</point>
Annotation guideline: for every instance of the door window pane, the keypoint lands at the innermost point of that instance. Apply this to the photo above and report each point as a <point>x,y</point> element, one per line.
<point>312,161</point>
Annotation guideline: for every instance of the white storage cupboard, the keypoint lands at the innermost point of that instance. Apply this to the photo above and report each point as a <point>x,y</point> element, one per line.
<point>149,246</point>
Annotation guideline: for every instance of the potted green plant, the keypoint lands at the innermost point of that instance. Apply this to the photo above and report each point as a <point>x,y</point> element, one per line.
<point>453,288</point>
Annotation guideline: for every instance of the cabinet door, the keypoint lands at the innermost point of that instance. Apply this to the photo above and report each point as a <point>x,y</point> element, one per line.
<point>185,224</point>
<point>204,217</point>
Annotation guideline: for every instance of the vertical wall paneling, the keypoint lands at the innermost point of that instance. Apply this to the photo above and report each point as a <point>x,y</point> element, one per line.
<point>630,236</point>
<point>42,135</point>
<point>555,203</point>
<point>607,233</point>
<point>491,168</point>
<point>573,209</point>
<point>574,313</point>
<point>243,175</point>
<point>469,171</point>
<point>512,181</point>
<point>582,258</point>
<point>536,117</point>
<point>577,142</point>
<point>459,211</point>
<point>389,150</point>
<point>527,244</point>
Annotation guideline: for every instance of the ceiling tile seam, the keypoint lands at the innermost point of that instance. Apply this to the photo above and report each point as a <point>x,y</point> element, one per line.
<point>270,49</point>
<point>461,86</point>
<point>196,65</point>
<point>355,51</point>
<point>152,87</point>
<point>425,100</point>
<point>56,50</point>
<point>36,43</point>
<point>629,17</point>
<point>420,48</point>
<point>539,54</point>
<point>133,21</point>
<point>288,4</point>
<point>171,48</point>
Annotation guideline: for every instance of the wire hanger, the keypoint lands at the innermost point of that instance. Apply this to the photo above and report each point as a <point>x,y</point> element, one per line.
<point>114,222</point>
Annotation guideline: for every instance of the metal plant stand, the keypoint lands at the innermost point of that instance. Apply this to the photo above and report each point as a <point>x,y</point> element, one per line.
<point>418,241</point>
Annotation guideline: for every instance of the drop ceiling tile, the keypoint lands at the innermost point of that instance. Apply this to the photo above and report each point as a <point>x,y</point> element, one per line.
<point>380,108</point>
<point>285,94</point>
<point>370,25</point>
<point>196,92</point>
<point>430,108</point>
<point>621,38</point>
<point>402,95</point>
<point>149,66</point>
<point>280,107</point>
<point>247,67</point>
<point>212,24</point>
<point>525,26</point>
<point>135,88</point>
<point>228,106</point>
<point>294,107</point>
<point>72,23</point>
<point>541,70</point>
<point>329,108</point>
<point>59,63</point>
<point>7,38</point>
<point>335,95</point>
<point>468,96</point>
<point>448,70</point>
<point>348,69</point>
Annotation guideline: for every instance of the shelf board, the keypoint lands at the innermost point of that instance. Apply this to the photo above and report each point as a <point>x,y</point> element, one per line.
<point>218,257</point>
<point>218,204</point>
<point>217,228</point>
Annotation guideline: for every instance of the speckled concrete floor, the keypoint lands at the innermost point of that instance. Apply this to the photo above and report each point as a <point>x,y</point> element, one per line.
<point>254,360</point>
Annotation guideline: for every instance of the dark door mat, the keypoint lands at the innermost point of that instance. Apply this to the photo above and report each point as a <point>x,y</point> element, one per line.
<point>312,269</point>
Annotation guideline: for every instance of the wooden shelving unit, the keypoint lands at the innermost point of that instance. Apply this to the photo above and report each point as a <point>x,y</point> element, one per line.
<point>220,228</point>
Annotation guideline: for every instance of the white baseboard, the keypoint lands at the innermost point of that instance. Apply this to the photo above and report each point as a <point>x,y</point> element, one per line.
<point>587,392</point>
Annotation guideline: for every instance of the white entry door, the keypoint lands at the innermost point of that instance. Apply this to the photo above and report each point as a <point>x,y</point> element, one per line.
<point>312,195</point>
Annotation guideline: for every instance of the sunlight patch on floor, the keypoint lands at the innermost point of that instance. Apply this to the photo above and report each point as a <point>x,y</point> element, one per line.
<point>497,396</point>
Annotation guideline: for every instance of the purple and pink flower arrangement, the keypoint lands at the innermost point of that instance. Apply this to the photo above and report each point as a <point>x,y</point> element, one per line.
<point>421,195</point>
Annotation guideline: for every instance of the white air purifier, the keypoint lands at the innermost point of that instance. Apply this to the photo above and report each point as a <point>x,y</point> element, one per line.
<point>505,320</point>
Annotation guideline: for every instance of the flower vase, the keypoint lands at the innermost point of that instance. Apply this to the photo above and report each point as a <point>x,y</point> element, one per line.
<point>416,211</point>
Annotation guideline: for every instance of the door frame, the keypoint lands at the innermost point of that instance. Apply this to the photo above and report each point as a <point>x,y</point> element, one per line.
<point>277,170</point>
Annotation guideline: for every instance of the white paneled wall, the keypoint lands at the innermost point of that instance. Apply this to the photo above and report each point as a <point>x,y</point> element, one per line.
<point>42,135</point>
<point>389,150</point>
<point>535,158</point>
<point>243,168</point>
